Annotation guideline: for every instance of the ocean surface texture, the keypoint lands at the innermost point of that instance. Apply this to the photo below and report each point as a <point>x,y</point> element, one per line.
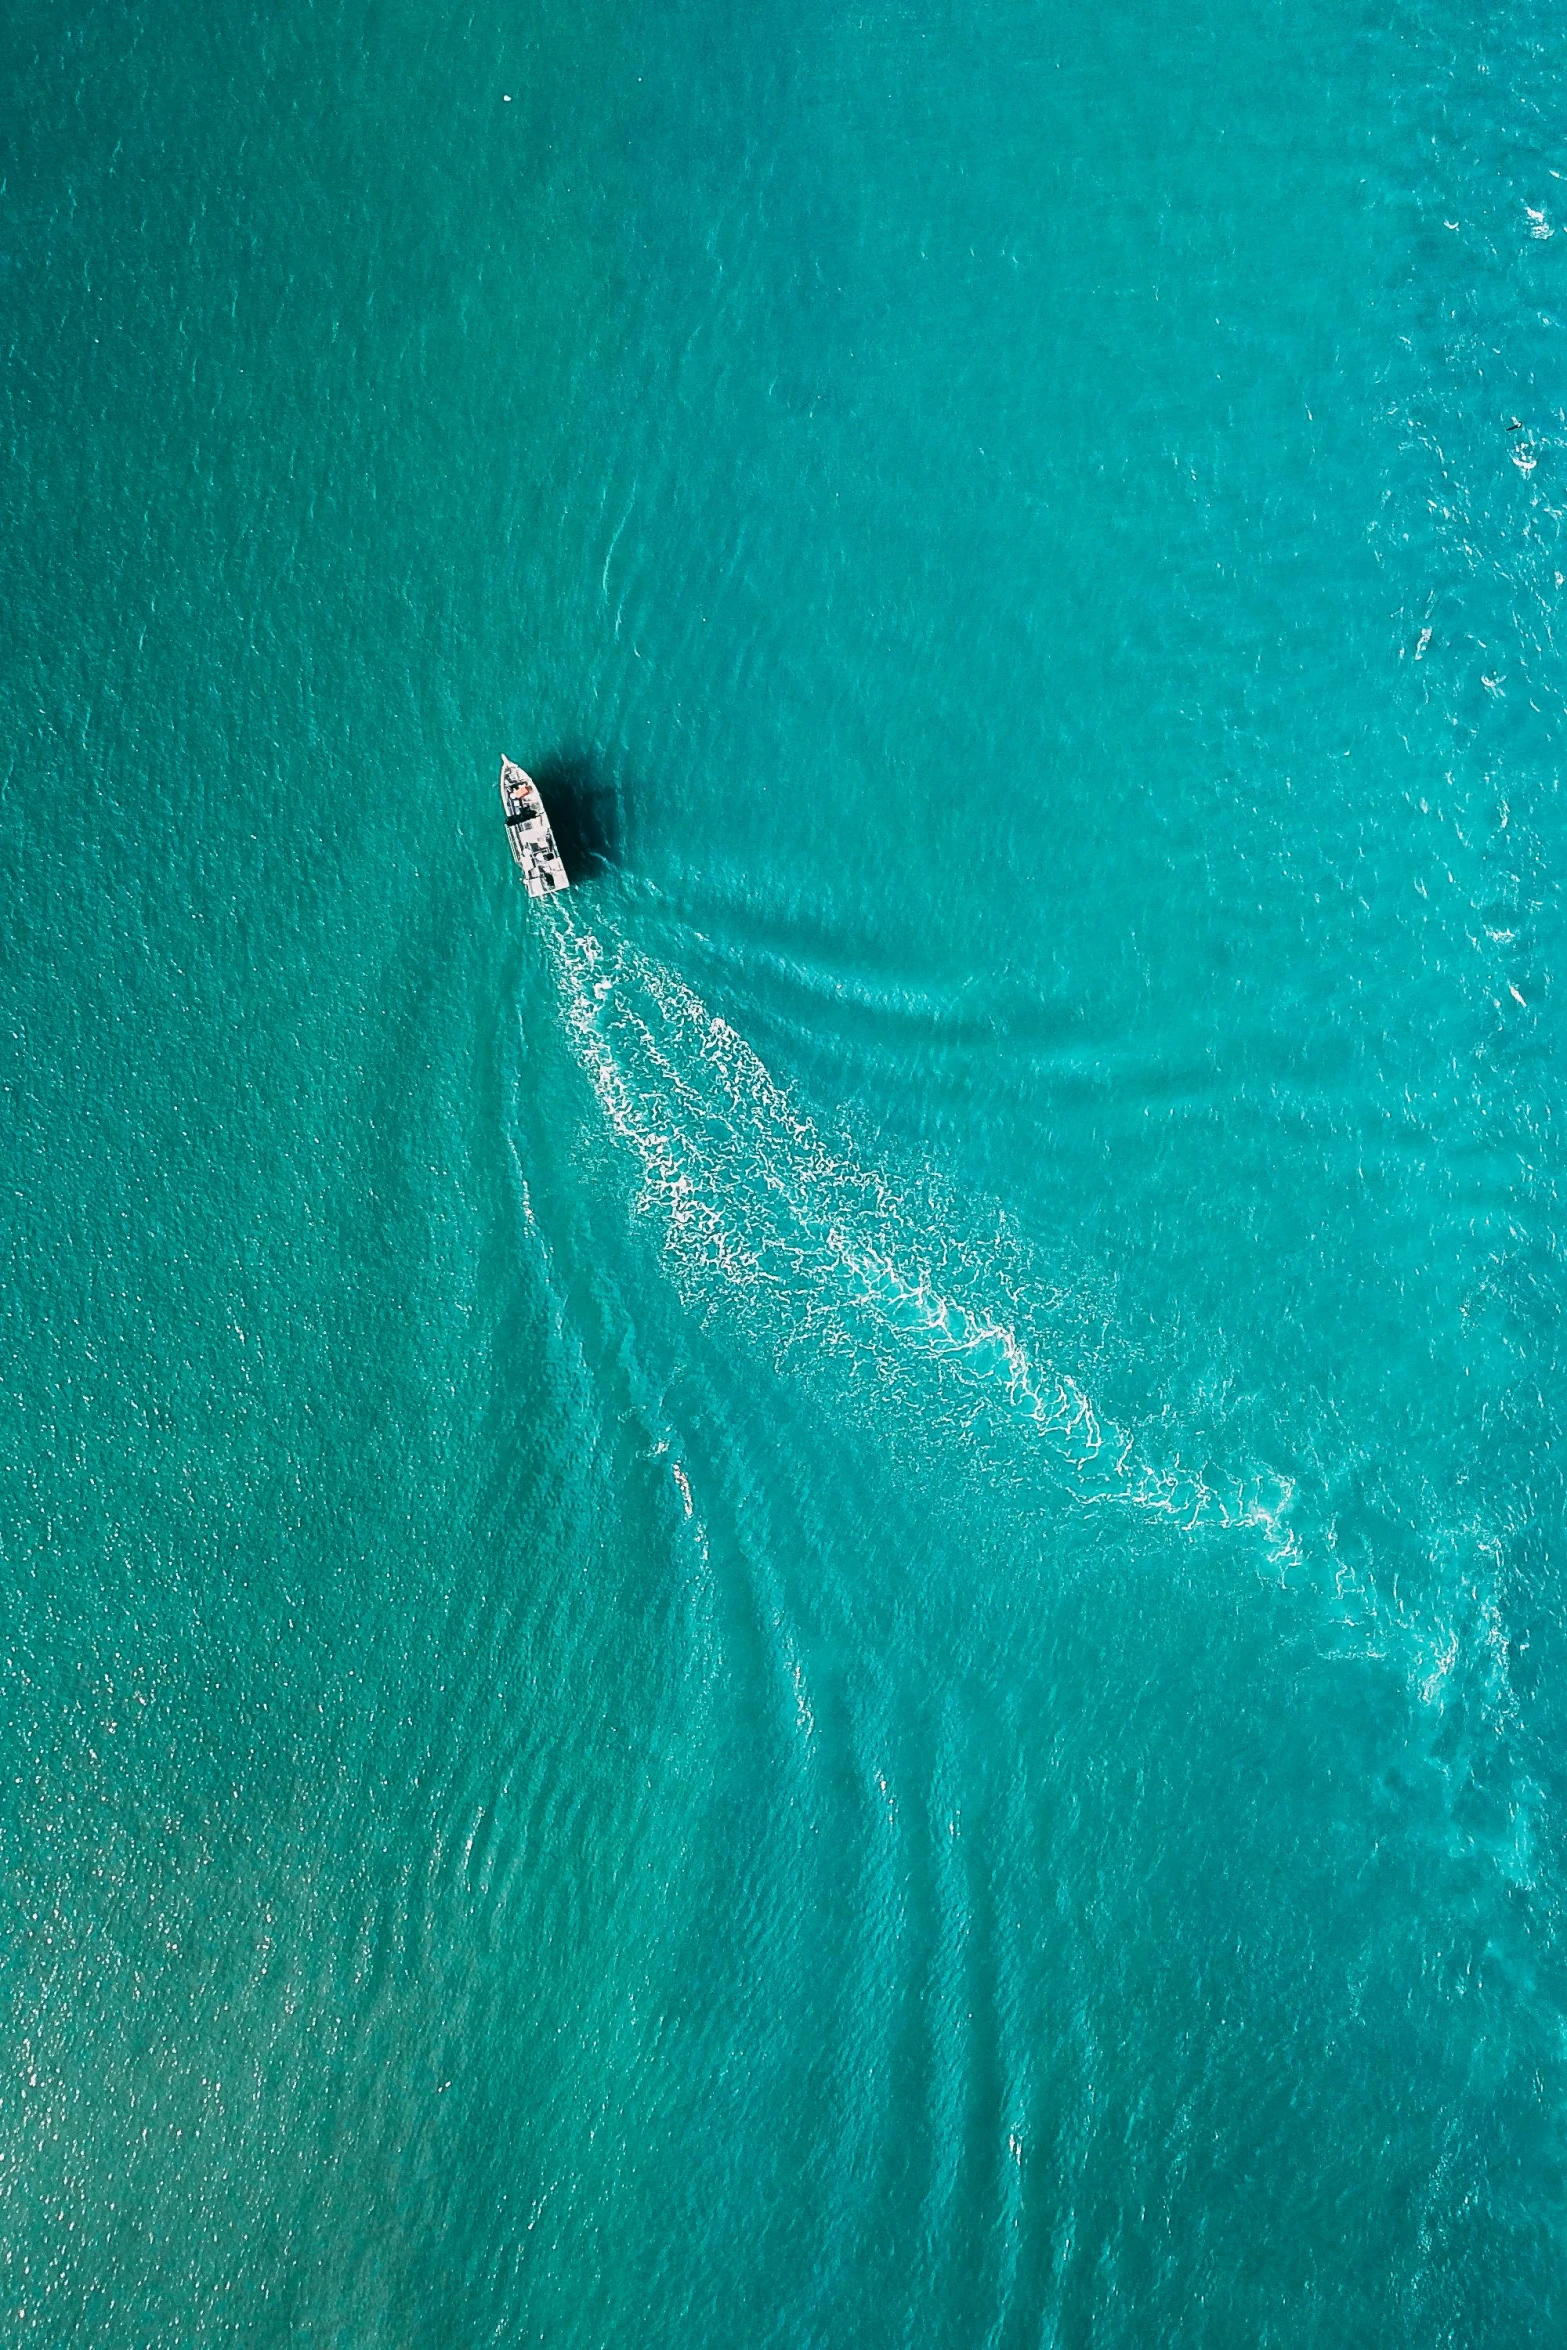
<point>816,1602</point>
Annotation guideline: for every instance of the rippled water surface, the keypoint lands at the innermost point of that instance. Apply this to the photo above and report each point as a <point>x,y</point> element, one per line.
<point>817,1600</point>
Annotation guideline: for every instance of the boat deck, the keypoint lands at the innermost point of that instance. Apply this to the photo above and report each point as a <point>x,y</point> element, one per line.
<point>528,830</point>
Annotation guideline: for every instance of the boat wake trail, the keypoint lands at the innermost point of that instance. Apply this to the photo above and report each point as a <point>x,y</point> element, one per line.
<point>821,1257</point>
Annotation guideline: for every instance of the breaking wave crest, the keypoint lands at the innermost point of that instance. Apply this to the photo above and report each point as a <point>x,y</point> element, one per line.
<point>822,1254</point>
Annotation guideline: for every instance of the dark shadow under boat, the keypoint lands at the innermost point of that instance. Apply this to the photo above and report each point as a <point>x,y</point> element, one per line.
<point>584,811</point>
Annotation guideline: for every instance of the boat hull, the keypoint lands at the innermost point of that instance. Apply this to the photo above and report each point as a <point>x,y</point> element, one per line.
<point>528,830</point>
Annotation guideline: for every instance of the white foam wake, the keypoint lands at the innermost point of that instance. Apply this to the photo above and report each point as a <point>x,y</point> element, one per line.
<point>819,1252</point>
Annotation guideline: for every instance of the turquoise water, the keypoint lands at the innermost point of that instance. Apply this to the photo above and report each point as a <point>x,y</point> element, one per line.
<point>818,1600</point>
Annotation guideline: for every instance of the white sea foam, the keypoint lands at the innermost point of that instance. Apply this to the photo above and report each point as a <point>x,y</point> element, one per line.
<point>818,1252</point>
